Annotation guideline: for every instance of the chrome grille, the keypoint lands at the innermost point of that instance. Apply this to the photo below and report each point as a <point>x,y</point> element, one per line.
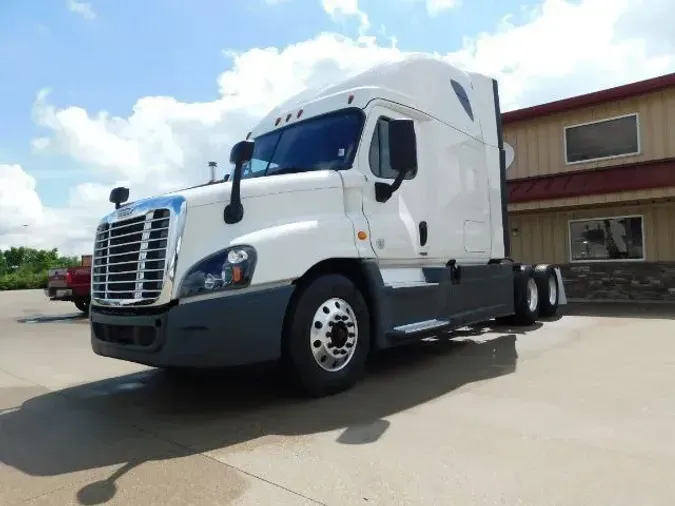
<point>130,258</point>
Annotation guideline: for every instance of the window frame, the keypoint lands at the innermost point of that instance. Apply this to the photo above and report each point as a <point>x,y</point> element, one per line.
<point>604,120</point>
<point>349,163</point>
<point>409,175</point>
<point>610,260</point>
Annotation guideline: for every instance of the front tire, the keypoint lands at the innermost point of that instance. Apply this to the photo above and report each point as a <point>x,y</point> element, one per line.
<point>327,336</point>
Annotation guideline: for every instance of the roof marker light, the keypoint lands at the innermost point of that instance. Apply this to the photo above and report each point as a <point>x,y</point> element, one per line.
<point>248,136</point>
<point>350,99</point>
<point>277,121</point>
<point>299,113</point>
<point>288,116</point>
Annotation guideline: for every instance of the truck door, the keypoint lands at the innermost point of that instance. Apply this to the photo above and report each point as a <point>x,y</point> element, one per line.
<point>398,226</point>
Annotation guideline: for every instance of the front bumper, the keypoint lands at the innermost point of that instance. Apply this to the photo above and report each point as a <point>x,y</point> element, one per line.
<point>237,329</point>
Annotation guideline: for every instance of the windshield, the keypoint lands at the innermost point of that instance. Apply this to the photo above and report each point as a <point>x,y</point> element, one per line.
<point>325,143</point>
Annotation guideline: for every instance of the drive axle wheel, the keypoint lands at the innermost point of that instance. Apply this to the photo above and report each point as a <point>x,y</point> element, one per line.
<point>547,282</point>
<point>327,336</point>
<point>526,294</point>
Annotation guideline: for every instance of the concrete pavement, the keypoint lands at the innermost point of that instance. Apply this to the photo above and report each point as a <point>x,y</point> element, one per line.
<point>578,411</point>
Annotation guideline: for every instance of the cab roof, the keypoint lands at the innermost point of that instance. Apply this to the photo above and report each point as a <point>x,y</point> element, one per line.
<point>424,83</point>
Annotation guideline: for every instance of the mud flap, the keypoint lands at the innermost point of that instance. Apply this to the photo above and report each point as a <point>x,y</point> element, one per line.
<point>562,296</point>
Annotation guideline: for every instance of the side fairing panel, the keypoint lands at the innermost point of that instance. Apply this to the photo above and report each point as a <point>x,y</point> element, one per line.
<point>488,107</point>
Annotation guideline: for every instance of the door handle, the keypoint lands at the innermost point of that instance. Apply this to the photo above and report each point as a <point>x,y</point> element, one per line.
<point>423,233</point>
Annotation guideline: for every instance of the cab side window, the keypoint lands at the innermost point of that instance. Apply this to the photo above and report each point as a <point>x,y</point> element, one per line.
<point>379,152</point>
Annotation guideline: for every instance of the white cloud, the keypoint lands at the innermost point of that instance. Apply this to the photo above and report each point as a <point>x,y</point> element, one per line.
<point>19,203</point>
<point>84,9</point>
<point>435,7</point>
<point>24,221</point>
<point>567,48</point>
<point>338,9</point>
<point>563,48</point>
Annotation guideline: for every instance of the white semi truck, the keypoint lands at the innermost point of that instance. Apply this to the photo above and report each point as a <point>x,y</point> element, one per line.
<point>357,217</point>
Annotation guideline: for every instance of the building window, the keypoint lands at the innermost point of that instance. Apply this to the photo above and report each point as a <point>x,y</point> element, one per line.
<point>379,152</point>
<point>616,238</point>
<point>609,138</point>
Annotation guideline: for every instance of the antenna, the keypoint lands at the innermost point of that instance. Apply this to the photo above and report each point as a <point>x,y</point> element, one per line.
<point>212,168</point>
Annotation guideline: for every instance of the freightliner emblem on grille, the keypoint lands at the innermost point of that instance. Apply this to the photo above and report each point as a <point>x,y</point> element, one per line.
<point>125,211</point>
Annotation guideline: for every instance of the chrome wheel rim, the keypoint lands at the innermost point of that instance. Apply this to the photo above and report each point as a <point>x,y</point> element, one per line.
<point>334,335</point>
<point>532,295</point>
<point>552,290</point>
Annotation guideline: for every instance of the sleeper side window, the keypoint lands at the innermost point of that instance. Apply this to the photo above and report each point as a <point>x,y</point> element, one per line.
<point>379,152</point>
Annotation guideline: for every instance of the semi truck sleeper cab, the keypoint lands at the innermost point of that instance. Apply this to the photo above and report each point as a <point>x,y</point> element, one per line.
<point>357,217</point>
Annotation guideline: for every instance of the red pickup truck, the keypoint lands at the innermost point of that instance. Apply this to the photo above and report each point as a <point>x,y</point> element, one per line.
<point>71,284</point>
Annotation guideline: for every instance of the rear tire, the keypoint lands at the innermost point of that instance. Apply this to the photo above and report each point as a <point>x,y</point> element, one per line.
<point>526,296</point>
<point>547,282</point>
<point>327,336</point>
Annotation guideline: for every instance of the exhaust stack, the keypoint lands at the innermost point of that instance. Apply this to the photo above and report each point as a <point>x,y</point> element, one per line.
<point>212,168</point>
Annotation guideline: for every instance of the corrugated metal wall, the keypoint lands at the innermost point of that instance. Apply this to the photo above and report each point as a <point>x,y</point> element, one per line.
<point>539,143</point>
<point>543,236</point>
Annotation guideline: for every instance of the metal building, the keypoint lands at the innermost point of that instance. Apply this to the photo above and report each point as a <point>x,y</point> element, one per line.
<point>592,187</point>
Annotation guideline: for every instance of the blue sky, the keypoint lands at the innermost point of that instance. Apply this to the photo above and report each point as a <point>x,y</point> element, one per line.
<point>137,48</point>
<point>142,93</point>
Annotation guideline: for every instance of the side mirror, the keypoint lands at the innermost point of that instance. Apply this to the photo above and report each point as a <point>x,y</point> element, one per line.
<point>241,152</point>
<point>402,145</point>
<point>402,156</point>
<point>119,196</point>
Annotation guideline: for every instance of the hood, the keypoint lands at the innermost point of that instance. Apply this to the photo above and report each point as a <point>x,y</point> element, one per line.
<point>219,193</point>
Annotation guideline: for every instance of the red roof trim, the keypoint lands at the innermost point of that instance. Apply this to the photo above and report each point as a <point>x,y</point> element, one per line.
<point>589,99</point>
<point>582,183</point>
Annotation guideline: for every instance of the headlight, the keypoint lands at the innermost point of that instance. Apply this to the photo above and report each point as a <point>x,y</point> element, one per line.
<point>230,268</point>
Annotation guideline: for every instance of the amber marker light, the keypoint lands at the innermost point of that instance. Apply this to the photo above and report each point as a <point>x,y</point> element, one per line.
<point>236,274</point>
<point>362,235</point>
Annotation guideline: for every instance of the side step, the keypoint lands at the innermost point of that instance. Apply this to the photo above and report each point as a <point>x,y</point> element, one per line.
<point>419,330</point>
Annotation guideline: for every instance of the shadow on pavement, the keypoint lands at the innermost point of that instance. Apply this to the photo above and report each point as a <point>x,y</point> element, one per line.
<point>629,309</point>
<point>79,316</point>
<point>151,416</point>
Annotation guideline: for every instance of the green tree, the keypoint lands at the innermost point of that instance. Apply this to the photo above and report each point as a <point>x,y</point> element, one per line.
<point>23,268</point>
